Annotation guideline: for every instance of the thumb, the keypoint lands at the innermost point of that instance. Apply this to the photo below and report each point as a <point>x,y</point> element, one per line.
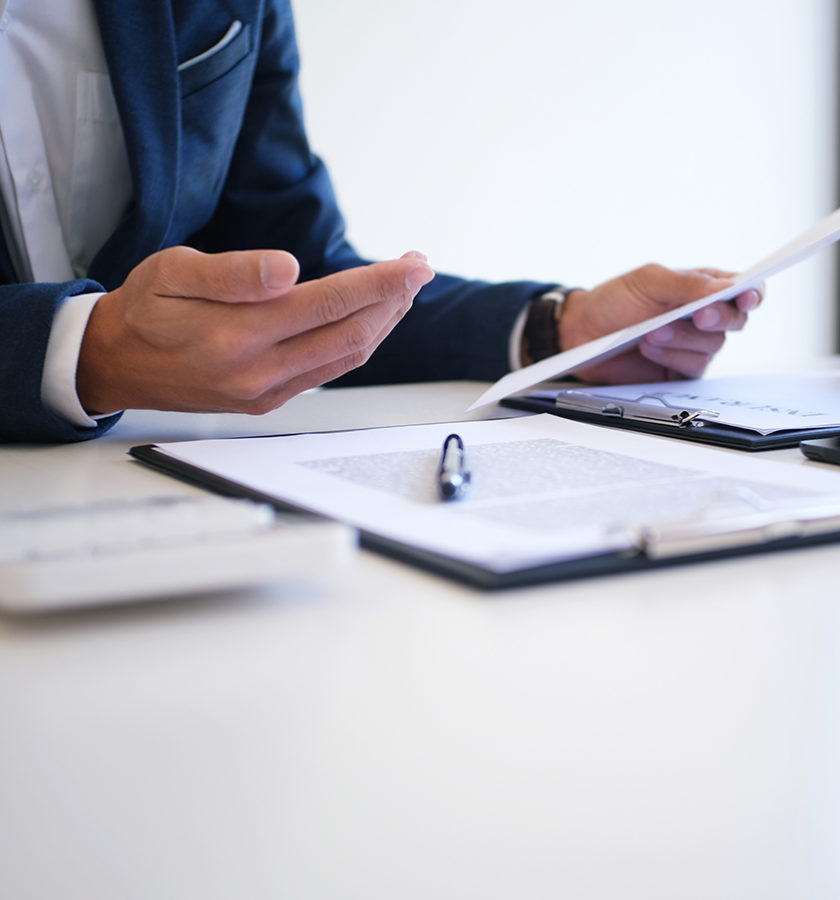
<point>669,288</point>
<point>705,282</point>
<point>237,276</point>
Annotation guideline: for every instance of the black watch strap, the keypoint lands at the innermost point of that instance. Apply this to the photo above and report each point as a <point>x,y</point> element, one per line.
<point>541,334</point>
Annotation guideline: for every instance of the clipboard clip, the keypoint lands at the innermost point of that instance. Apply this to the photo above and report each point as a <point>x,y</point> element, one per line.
<point>636,410</point>
<point>704,532</point>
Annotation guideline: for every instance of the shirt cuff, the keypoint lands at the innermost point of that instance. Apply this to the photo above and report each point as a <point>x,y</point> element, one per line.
<point>58,380</point>
<point>515,345</point>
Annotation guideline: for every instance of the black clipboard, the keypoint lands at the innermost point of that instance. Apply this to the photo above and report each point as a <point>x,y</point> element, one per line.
<point>687,542</point>
<point>652,414</point>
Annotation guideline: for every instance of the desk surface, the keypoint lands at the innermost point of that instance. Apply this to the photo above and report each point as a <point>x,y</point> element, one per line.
<point>379,732</point>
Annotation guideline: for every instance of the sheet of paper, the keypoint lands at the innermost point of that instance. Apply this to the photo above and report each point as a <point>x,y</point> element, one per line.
<point>544,488</point>
<point>820,235</point>
<point>762,403</point>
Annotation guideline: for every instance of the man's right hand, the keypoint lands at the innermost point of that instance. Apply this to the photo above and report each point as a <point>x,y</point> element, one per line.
<point>233,332</point>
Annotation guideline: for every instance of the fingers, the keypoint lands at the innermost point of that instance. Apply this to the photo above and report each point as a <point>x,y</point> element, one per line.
<point>314,333</point>
<point>750,299</point>
<point>682,348</point>
<point>717,273</point>
<point>253,276</point>
<point>746,301</point>
<point>720,316</point>
<point>335,298</point>
<point>243,276</point>
<point>682,335</point>
<point>354,311</point>
<point>728,315</point>
<point>276,394</point>
<point>671,288</point>
<point>678,363</point>
<point>668,288</point>
<point>262,354</point>
<point>311,359</point>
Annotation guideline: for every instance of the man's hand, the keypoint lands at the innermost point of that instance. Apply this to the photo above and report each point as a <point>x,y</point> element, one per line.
<point>233,332</point>
<point>682,349</point>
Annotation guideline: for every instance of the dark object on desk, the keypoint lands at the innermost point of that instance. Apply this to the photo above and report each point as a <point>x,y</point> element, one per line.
<point>826,450</point>
<point>659,418</point>
<point>453,478</point>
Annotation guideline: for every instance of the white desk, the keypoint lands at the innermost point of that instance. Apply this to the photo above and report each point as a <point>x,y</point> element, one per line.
<point>378,732</point>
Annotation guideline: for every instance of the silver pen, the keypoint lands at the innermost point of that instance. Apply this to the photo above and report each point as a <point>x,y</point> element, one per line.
<point>453,477</point>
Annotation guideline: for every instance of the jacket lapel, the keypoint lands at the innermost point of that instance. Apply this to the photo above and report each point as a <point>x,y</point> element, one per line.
<point>144,75</point>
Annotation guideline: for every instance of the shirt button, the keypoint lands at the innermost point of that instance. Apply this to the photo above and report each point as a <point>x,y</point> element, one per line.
<point>35,180</point>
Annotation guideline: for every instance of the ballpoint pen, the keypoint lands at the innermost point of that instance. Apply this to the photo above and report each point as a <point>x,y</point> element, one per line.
<point>453,477</point>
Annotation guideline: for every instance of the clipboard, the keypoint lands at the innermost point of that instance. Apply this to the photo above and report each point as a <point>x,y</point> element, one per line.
<point>651,413</point>
<point>739,518</point>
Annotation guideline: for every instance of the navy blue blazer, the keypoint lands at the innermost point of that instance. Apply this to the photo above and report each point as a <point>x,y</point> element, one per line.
<point>220,161</point>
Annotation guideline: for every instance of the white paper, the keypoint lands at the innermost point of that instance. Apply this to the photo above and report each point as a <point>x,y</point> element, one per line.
<point>544,489</point>
<point>820,235</point>
<point>762,403</point>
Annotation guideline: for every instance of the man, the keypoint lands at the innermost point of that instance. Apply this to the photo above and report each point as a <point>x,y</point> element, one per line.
<point>169,241</point>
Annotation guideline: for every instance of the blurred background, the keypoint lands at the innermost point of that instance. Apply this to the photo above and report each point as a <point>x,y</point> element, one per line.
<point>572,142</point>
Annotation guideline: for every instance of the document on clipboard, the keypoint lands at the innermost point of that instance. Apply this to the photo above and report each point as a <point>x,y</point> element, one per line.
<point>549,499</point>
<point>820,235</point>
<point>756,412</point>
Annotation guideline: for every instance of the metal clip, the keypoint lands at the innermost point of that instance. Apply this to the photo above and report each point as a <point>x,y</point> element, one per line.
<point>636,410</point>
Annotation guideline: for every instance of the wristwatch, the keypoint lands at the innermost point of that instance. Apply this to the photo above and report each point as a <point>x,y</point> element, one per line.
<point>541,335</point>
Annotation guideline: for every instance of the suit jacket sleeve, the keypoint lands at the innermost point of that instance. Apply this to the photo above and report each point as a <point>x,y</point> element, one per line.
<point>26,313</point>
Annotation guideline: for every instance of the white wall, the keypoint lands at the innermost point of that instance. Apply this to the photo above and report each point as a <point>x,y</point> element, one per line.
<point>572,141</point>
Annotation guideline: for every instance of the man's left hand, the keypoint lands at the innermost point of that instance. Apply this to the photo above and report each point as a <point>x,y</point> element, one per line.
<point>682,349</point>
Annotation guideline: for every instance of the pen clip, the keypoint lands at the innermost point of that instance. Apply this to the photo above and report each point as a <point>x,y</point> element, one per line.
<point>636,410</point>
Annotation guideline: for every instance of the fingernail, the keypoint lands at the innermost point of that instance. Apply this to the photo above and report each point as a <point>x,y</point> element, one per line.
<point>707,317</point>
<point>274,271</point>
<point>415,254</point>
<point>749,300</point>
<point>417,277</point>
<point>662,335</point>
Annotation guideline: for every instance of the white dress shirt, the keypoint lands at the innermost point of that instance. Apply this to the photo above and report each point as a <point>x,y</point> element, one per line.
<point>64,175</point>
